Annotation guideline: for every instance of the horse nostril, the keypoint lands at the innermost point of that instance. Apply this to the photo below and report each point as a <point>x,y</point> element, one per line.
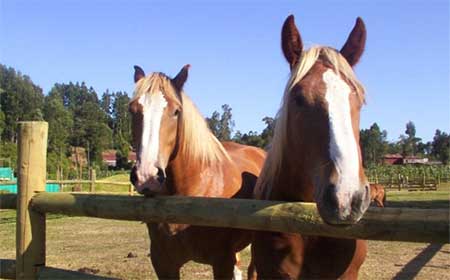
<point>367,191</point>
<point>133,176</point>
<point>330,197</point>
<point>161,176</point>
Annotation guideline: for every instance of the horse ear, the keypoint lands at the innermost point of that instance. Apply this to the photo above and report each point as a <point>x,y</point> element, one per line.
<point>354,47</point>
<point>138,73</point>
<point>291,42</point>
<point>181,77</point>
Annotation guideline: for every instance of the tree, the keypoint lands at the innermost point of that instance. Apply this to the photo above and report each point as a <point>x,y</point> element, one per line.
<point>60,124</point>
<point>373,144</point>
<point>121,128</point>
<point>2,116</point>
<point>222,125</point>
<point>9,150</point>
<point>226,123</point>
<point>424,148</point>
<point>252,138</point>
<point>268,131</point>
<point>21,100</point>
<point>441,146</point>
<point>2,124</point>
<point>89,128</point>
<point>214,123</point>
<point>120,116</point>
<point>409,141</point>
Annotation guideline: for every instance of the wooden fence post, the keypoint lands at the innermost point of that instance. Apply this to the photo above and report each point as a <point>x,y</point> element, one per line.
<point>93,178</point>
<point>130,189</point>
<point>30,225</point>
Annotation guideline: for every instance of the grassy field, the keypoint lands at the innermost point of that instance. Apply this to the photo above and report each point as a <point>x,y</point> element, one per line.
<point>106,188</point>
<point>420,199</point>
<point>120,248</point>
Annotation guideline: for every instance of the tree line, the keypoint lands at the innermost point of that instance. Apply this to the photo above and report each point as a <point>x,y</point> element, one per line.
<point>76,116</point>
<point>82,126</point>
<point>373,141</point>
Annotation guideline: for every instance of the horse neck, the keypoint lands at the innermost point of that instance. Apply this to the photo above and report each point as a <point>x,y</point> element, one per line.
<point>191,178</point>
<point>292,183</point>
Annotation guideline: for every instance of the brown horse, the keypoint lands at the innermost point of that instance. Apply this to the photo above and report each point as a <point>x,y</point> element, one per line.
<point>315,157</point>
<point>377,194</point>
<point>178,155</point>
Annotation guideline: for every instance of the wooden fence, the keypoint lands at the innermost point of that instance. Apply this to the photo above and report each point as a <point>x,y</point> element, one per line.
<point>401,182</point>
<point>32,203</point>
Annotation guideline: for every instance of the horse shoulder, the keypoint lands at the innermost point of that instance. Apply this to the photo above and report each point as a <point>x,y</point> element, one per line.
<point>246,156</point>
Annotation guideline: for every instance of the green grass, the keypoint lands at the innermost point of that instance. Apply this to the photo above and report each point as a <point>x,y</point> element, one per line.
<point>108,188</point>
<point>9,216</point>
<point>118,178</point>
<point>420,199</point>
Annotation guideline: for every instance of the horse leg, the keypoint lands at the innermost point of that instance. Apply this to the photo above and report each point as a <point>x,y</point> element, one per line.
<point>379,202</point>
<point>333,258</point>
<point>358,258</point>
<point>224,268</point>
<point>251,270</point>
<point>277,255</point>
<point>237,273</point>
<point>164,265</point>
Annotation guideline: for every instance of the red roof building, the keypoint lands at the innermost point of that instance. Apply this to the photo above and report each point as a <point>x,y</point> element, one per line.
<point>109,158</point>
<point>391,159</point>
<point>132,157</point>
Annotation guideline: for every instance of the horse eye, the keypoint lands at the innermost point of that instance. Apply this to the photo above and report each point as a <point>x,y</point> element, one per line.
<point>299,100</point>
<point>176,113</point>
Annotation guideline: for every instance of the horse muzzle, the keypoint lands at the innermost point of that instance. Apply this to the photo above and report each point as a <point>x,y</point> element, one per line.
<point>146,183</point>
<point>348,210</point>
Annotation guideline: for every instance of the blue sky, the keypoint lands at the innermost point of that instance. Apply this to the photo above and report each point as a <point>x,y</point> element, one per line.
<point>234,50</point>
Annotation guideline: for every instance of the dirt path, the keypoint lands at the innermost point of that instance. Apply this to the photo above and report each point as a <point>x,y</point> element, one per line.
<point>120,249</point>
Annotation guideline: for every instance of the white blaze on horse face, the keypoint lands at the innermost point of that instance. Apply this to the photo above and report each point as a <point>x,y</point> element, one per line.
<point>343,147</point>
<point>153,107</point>
<point>237,273</point>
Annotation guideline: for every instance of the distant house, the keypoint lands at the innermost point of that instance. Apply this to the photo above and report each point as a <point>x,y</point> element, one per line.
<point>414,160</point>
<point>110,159</point>
<point>132,157</point>
<point>391,159</point>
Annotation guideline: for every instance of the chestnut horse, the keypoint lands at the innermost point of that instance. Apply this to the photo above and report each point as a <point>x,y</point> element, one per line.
<point>315,157</point>
<point>178,155</point>
<point>377,194</point>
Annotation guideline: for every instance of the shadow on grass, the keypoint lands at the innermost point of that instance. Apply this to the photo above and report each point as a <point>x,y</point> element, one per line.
<point>425,204</point>
<point>413,267</point>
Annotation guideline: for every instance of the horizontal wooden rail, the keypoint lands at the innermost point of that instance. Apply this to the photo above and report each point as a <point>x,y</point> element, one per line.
<point>392,224</point>
<point>7,183</point>
<point>69,182</point>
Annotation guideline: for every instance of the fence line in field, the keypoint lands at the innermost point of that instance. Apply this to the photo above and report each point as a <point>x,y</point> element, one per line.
<point>400,224</point>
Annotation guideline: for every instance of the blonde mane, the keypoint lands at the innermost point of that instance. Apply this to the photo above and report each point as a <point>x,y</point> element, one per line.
<point>197,142</point>
<point>307,60</point>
